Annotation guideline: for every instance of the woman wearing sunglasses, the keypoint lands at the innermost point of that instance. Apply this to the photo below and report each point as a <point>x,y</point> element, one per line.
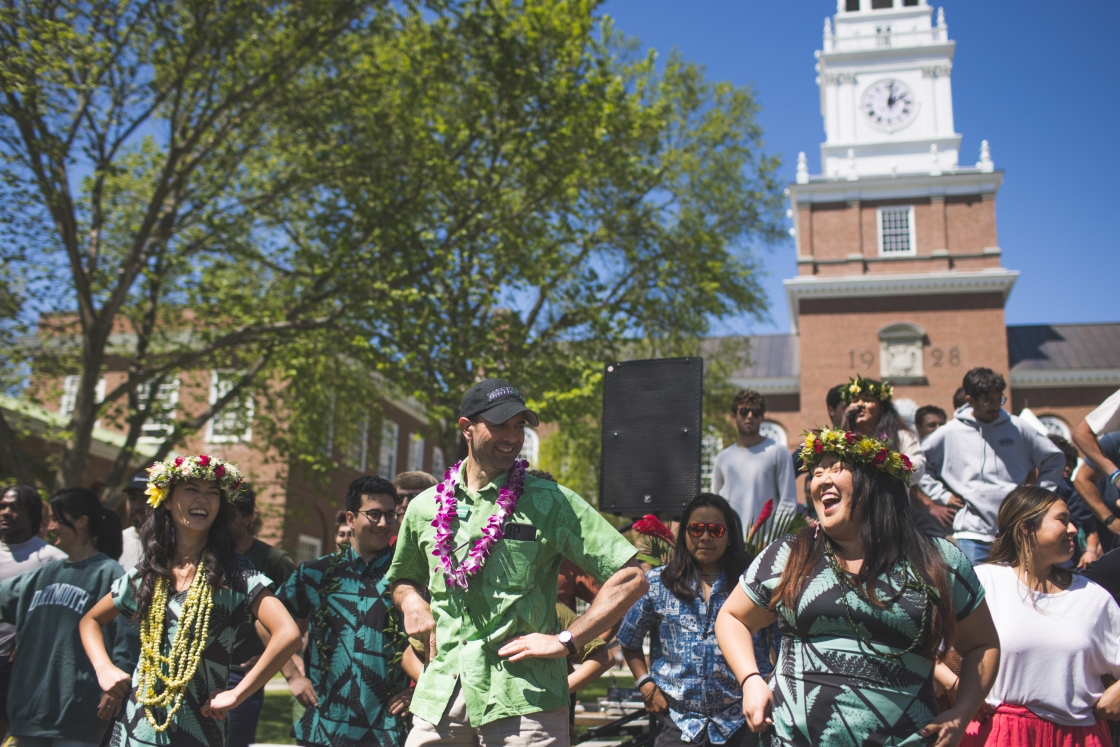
<point>688,679</point>
<point>866,602</point>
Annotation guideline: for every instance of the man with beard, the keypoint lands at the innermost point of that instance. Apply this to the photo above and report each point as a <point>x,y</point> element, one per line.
<point>498,672</point>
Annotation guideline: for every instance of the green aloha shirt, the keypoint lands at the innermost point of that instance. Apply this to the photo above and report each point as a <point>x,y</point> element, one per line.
<point>513,594</point>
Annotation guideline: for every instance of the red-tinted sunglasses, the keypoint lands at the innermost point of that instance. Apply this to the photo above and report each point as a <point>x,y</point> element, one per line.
<point>697,529</point>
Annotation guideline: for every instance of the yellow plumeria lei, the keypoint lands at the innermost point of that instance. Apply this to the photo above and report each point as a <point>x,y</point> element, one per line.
<point>880,390</point>
<point>162,476</point>
<point>176,670</point>
<point>852,447</point>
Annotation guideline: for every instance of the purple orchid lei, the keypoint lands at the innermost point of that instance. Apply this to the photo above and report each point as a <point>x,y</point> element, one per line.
<point>458,575</point>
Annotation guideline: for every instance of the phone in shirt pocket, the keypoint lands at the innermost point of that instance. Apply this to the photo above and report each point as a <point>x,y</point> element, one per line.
<point>520,532</point>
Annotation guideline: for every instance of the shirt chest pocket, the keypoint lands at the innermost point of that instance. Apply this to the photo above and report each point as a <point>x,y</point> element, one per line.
<point>510,566</point>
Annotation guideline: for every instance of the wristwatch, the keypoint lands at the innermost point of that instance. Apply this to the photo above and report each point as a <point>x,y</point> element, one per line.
<point>566,638</point>
<point>1111,518</point>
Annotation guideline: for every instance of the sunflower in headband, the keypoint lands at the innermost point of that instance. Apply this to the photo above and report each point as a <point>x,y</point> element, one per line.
<point>852,447</point>
<point>162,476</point>
<point>860,386</point>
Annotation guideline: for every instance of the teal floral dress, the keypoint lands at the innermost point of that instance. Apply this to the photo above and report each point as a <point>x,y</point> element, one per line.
<point>231,611</point>
<point>831,689</point>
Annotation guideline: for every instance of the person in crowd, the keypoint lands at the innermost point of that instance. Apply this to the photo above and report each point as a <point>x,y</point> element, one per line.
<point>928,419</point>
<point>587,664</point>
<point>277,565</point>
<point>871,412</point>
<point>138,512</point>
<point>688,679</point>
<point>959,398</point>
<point>491,564</point>
<point>342,533</point>
<point>55,697</point>
<point>1094,483</point>
<point>834,403</point>
<point>865,602</point>
<point>191,593</point>
<point>355,684</point>
<point>1058,634</point>
<point>754,469</point>
<point>409,485</point>
<point>980,457</point>
<point>1087,546</point>
<point>1086,434</point>
<point>21,550</point>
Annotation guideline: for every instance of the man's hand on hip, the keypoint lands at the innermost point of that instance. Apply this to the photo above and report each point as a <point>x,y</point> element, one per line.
<point>533,646</point>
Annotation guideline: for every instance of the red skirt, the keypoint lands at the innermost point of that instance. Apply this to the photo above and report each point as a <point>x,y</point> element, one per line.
<point>1016,726</point>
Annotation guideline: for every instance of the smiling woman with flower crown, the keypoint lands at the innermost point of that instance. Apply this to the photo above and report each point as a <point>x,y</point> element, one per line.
<point>190,594</point>
<point>865,603</point>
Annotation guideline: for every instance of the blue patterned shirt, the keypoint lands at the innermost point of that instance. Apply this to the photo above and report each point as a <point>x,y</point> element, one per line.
<point>687,664</point>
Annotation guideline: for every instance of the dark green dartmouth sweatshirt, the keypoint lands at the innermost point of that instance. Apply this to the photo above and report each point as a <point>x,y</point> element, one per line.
<point>54,690</point>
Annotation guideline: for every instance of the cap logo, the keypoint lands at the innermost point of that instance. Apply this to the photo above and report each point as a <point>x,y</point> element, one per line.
<point>501,392</point>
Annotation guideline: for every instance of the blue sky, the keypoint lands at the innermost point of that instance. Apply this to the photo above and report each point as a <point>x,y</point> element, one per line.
<point>1036,79</point>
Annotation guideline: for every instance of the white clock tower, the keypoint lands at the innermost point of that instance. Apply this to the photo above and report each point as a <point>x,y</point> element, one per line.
<point>884,73</point>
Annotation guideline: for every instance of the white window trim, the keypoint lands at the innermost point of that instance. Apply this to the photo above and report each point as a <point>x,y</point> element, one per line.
<point>172,407</point>
<point>390,429</point>
<point>531,449</point>
<point>307,541</point>
<point>910,224</point>
<point>360,444</point>
<point>70,398</point>
<point>250,410</point>
<point>415,452</point>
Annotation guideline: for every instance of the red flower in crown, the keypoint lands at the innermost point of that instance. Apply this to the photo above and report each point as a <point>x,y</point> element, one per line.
<point>219,471</point>
<point>851,437</point>
<point>651,526</point>
<point>178,461</point>
<point>818,446</point>
<point>906,463</point>
<point>203,460</point>
<point>880,457</point>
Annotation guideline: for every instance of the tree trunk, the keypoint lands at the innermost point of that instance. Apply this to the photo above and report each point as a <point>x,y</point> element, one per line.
<point>9,446</point>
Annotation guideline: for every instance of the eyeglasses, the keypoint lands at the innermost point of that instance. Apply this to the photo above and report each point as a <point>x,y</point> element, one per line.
<point>992,402</point>
<point>375,516</point>
<point>755,411</point>
<point>400,498</point>
<point>697,530</point>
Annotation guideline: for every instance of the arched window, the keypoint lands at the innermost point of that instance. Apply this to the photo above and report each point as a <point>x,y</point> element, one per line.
<point>1055,426</point>
<point>901,353</point>
<point>710,445</point>
<point>530,450</point>
<point>774,432</point>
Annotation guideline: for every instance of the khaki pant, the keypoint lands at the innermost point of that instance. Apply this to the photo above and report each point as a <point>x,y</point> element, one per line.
<point>541,729</point>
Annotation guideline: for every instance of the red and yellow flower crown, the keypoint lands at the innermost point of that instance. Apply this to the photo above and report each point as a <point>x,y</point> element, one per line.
<point>162,476</point>
<point>880,390</point>
<point>852,447</point>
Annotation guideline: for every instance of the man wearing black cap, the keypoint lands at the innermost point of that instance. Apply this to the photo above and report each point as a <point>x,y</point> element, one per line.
<point>498,671</point>
<point>138,510</point>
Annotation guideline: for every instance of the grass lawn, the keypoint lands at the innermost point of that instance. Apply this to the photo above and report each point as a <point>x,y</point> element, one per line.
<point>279,707</point>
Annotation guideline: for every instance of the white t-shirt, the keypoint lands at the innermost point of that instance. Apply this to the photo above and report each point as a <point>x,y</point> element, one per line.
<point>16,559</point>
<point>1053,652</point>
<point>1106,418</point>
<point>130,556</point>
<point>749,476</point>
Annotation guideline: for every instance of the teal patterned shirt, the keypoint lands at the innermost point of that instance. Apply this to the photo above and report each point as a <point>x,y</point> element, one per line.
<point>364,642</point>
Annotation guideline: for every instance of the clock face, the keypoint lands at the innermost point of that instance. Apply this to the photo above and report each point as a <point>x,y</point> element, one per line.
<point>889,103</point>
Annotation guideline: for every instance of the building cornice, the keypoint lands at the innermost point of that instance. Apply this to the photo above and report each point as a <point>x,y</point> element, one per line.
<point>1065,378</point>
<point>997,280</point>
<point>770,385</point>
<point>961,182</point>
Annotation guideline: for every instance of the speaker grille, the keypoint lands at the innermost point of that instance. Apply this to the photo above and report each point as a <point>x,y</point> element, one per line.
<point>651,435</point>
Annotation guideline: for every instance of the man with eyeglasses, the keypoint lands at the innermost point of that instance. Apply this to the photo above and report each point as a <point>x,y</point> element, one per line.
<point>982,455</point>
<point>754,469</point>
<point>353,695</point>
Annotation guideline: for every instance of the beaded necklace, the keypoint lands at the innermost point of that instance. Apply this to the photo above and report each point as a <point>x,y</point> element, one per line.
<point>911,579</point>
<point>177,669</point>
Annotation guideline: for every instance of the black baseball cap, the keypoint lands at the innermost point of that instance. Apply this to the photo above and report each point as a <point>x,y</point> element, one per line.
<point>139,481</point>
<point>496,400</point>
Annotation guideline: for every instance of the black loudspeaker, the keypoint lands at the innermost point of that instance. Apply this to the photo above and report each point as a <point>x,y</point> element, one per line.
<point>651,436</point>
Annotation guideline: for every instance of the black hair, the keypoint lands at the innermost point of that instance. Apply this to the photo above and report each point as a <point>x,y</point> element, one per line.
<point>246,504</point>
<point>339,519</point>
<point>881,506</point>
<point>680,575</point>
<point>890,423</point>
<point>833,399</point>
<point>104,525</point>
<point>367,485</point>
<point>980,381</point>
<point>959,398</point>
<point>920,415</point>
<point>29,500</point>
<point>157,538</point>
<point>1068,450</point>
<point>747,398</point>
<point>541,474</point>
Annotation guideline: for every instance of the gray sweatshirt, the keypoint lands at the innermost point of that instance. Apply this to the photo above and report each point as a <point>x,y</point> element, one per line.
<point>982,463</point>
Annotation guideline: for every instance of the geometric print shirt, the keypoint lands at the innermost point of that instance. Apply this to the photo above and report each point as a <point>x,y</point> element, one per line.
<point>686,663</point>
<point>351,610</point>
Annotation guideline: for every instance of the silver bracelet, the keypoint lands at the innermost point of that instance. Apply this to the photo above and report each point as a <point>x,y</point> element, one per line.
<point>642,680</point>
